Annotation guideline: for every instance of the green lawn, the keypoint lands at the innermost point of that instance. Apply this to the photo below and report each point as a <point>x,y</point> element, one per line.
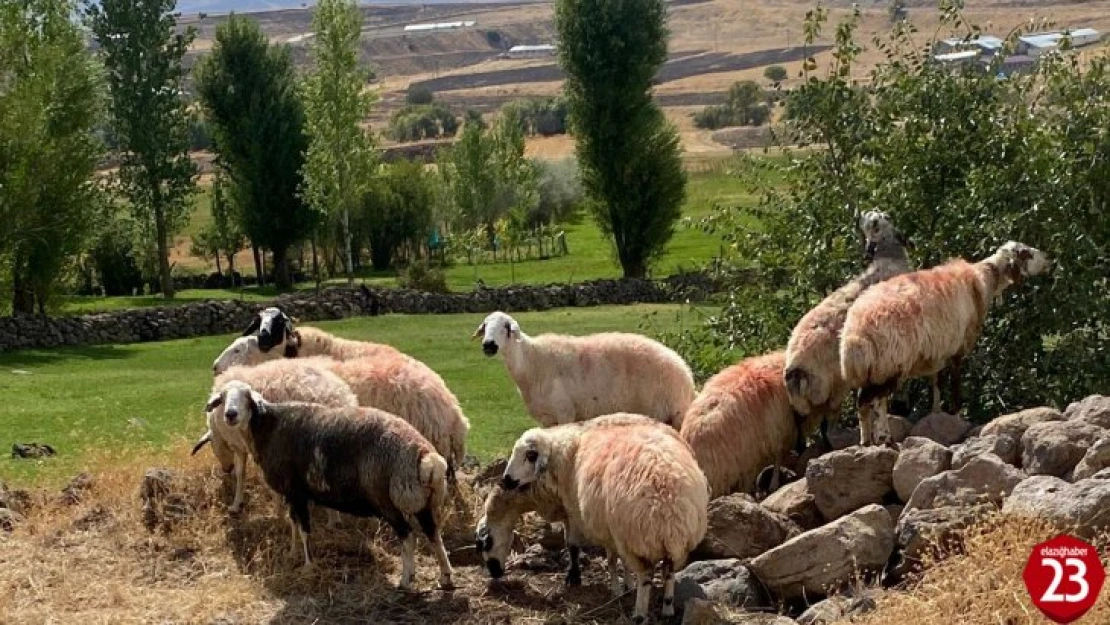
<point>146,398</point>
<point>590,257</point>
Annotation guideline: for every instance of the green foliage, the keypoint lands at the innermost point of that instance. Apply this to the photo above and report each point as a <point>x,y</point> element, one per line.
<point>397,211</point>
<point>419,95</point>
<point>51,100</point>
<point>963,162</point>
<point>474,117</point>
<point>748,105</point>
<point>423,121</point>
<point>540,116</point>
<point>560,194</point>
<point>421,276</point>
<point>775,73</point>
<point>222,235</point>
<point>114,260</point>
<point>200,138</point>
<point>340,154</point>
<point>628,152</point>
<point>248,90</point>
<point>142,49</point>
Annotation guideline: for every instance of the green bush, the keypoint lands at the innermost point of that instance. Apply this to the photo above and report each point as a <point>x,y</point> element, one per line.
<point>963,162</point>
<point>116,264</point>
<point>419,95</point>
<point>775,73</point>
<point>396,212</point>
<point>420,276</point>
<point>747,105</point>
<point>560,192</point>
<point>540,116</point>
<point>422,121</point>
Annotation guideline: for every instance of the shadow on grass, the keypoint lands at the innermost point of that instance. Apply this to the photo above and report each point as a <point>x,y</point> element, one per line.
<point>36,357</point>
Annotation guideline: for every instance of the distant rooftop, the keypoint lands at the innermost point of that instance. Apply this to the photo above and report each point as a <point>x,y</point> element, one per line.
<point>1048,40</point>
<point>962,55</point>
<point>984,41</point>
<point>543,47</point>
<point>439,26</point>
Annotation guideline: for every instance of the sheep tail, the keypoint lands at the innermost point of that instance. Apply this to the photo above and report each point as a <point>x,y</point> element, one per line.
<point>204,440</point>
<point>433,477</point>
<point>856,358</point>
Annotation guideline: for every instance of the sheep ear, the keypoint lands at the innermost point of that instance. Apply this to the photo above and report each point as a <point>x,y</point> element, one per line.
<point>292,344</point>
<point>514,330</point>
<point>479,332</point>
<point>260,404</point>
<point>214,402</point>
<point>541,465</point>
<point>253,326</point>
<point>204,440</point>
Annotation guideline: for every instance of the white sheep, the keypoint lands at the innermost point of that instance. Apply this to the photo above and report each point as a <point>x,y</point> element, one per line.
<point>388,380</point>
<point>564,379</point>
<point>360,461</point>
<point>916,324</point>
<point>741,422</point>
<point>632,487</point>
<point>812,368</point>
<point>279,381</point>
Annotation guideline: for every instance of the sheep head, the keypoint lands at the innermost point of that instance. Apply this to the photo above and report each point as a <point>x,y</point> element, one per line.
<point>528,462</point>
<point>878,231</point>
<point>238,400</point>
<point>273,327</point>
<point>1016,261</point>
<point>494,534</point>
<point>243,351</point>
<point>497,331</point>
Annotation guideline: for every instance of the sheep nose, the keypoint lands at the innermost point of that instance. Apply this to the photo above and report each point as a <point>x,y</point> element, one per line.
<point>489,348</point>
<point>509,483</point>
<point>232,415</point>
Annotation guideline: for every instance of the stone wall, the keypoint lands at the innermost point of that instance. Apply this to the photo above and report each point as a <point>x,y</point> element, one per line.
<point>222,317</point>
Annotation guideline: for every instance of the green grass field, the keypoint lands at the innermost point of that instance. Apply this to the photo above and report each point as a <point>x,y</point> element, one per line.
<point>124,400</point>
<point>591,256</point>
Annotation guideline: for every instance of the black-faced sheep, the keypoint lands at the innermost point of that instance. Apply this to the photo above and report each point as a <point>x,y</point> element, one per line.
<point>916,324</point>
<point>390,381</point>
<point>277,381</point>
<point>564,379</point>
<point>360,461</point>
<point>633,488</point>
<point>812,371</point>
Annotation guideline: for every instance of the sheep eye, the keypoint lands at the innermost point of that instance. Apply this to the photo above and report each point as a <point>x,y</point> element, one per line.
<point>531,456</point>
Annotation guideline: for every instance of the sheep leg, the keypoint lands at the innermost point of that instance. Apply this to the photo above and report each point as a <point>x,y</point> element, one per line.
<point>240,470</point>
<point>825,433</point>
<point>882,423</point>
<point>431,530</point>
<point>954,381</point>
<point>408,560</point>
<point>615,584</point>
<point>333,519</point>
<point>934,384</point>
<point>668,588</point>
<point>298,515</point>
<point>865,415</point>
<point>574,573</point>
<point>643,595</point>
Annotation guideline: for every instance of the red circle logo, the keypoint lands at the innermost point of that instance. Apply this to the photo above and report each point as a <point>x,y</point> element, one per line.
<point>1064,577</point>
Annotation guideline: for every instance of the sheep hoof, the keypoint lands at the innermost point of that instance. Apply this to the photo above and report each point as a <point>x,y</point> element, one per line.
<point>234,510</point>
<point>445,583</point>
<point>638,619</point>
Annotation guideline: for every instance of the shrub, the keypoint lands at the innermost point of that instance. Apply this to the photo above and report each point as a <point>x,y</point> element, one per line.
<point>560,192</point>
<point>420,276</point>
<point>116,264</point>
<point>396,211</point>
<point>963,162</point>
<point>540,116</point>
<point>775,73</point>
<point>422,121</point>
<point>419,95</point>
<point>747,105</point>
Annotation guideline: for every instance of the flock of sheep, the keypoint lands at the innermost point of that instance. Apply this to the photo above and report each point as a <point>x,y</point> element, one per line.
<point>628,454</point>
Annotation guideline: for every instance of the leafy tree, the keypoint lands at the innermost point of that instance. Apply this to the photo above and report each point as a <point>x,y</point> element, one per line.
<point>628,152</point>
<point>775,73</point>
<point>248,89</point>
<point>560,194</point>
<point>142,49</point>
<point>340,152</point>
<point>746,106</point>
<point>51,101</point>
<point>397,211</point>
<point>963,162</point>
<point>419,95</point>
<point>423,121</point>
<point>222,235</point>
<point>543,116</point>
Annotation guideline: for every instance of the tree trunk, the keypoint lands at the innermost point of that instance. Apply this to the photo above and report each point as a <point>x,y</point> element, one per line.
<point>219,268</point>
<point>281,269</point>
<point>231,264</point>
<point>348,265</point>
<point>634,268</point>
<point>315,264</point>
<point>23,298</point>
<point>164,276</point>
<point>258,272</point>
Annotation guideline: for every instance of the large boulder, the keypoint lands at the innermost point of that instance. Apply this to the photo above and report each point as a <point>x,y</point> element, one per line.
<point>727,582</point>
<point>920,458</point>
<point>795,502</point>
<point>1082,507</point>
<point>942,428</point>
<point>847,480</point>
<point>828,557</point>
<point>1096,459</point>
<point>900,428</point>
<point>1094,409</point>
<point>1016,423</point>
<point>741,528</point>
<point>1005,446</point>
<point>1054,448</point>
<point>919,531</point>
<point>985,479</point>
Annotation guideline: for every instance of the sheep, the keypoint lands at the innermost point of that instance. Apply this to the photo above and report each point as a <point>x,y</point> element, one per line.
<point>273,327</point>
<point>564,379</point>
<point>361,461</point>
<point>279,380</point>
<point>390,381</point>
<point>741,422</point>
<point>918,323</point>
<point>631,488</point>
<point>812,369</point>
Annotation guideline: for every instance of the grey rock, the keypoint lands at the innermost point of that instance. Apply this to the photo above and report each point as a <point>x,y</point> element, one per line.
<point>1096,459</point>
<point>838,608</point>
<point>828,557</point>
<point>919,531</point>
<point>1094,409</point>
<point>741,528</point>
<point>900,428</point>
<point>727,582</point>
<point>895,511</point>
<point>9,519</point>
<point>919,459</point>
<point>942,428</point>
<point>985,479</point>
<point>1054,448</point>
<point>1005,446</point>
<point>847,480</point>
<point>795,502</point>
<point>1082,507</point>
<point>701,612</point>
<point>1015,424</point>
